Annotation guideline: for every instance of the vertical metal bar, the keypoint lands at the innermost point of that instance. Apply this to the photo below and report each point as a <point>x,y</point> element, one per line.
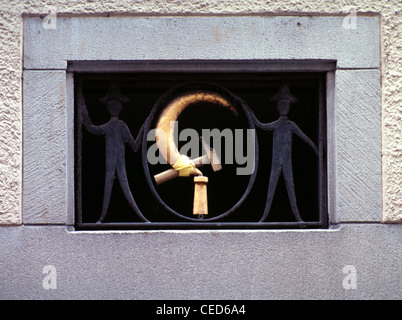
<point>78,164</point>
<point>71,155</point>
<point>322,134</point>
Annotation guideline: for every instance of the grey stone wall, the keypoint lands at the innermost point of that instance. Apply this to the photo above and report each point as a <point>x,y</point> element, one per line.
<point>244,264</point>
<point>297,264</point>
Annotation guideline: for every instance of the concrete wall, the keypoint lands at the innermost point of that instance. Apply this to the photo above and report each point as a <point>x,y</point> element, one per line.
<point>202,265</point>
<point>162,265</point>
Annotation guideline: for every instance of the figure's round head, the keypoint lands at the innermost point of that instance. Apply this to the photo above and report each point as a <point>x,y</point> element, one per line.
<point>283,100</point>
<point>114,107</point>
<point>114,100</point>
<point>283,106</point>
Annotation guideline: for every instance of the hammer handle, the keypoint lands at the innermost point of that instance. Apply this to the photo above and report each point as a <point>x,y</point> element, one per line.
<point>172,173</point>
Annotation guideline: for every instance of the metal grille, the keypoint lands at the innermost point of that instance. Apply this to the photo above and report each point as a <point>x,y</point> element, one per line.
<point>261,138</point>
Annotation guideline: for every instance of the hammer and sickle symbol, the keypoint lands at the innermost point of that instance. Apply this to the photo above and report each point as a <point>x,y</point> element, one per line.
<point>181,164</point>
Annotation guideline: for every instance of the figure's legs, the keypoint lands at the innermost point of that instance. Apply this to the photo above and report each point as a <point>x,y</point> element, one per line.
<point>109,179</point>
<point>122,176</point>
<point>288,176</point>
<point>273,181</point>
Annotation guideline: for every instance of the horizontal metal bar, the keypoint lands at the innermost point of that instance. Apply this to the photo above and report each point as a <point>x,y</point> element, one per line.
<point>203,225</point>
<point>202,66</point>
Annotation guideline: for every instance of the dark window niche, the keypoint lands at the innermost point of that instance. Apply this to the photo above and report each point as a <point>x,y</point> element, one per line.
<point>234,201</point>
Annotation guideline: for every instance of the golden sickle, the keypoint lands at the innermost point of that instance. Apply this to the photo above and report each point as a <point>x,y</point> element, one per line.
<point>166,127</point>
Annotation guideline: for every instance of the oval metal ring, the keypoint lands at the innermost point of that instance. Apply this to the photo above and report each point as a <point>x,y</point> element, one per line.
<point>171,111</point>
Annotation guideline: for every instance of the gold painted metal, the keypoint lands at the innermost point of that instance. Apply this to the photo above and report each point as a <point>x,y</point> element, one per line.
<point>210,157</point>
<point>181,164</point>
<point>167,120</point>
<point>200,206</point>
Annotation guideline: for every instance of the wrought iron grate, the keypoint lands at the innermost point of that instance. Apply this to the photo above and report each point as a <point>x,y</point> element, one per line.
<point>268,132</point>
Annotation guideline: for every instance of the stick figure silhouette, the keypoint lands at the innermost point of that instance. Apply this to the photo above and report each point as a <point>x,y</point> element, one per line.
<point>116,135</point>
<point>283,130</point>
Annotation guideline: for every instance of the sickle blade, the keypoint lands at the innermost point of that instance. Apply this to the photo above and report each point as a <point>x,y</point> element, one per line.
<point>166,124</point>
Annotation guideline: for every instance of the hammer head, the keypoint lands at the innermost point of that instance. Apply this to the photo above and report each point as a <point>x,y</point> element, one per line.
<point>212,156</point>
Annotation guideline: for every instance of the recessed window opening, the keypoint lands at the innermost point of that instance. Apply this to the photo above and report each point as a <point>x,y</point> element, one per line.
<point>267,130</point>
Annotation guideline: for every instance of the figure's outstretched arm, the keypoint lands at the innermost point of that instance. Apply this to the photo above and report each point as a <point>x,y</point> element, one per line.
<point>129,139</point>
<point>258,124</point>
<point>85,117</point>
<point>138,140</point>
<point>134,144</point>
<point>304,137</point>
<point>140,134</point>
